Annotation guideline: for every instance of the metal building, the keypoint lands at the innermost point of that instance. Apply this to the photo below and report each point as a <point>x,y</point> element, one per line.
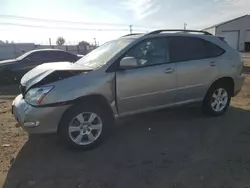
<point>236,32</point>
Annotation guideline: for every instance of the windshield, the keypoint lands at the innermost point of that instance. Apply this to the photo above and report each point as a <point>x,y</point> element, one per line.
<point>24,55</point>
<point>101,55</point>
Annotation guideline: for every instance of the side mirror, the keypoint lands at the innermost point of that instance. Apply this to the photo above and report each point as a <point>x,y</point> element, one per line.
<point>128,63</point>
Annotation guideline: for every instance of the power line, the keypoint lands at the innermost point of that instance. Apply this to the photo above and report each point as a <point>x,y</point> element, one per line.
<point>63,21</point>
<point>64,28</point>
<point>58,21</point>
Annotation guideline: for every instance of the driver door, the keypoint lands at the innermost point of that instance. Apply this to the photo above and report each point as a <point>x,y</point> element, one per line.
<point>149,85</point>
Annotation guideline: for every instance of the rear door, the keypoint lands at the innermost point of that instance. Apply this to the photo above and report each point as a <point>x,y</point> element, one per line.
<point>150,85</point>
<point>196,61</point>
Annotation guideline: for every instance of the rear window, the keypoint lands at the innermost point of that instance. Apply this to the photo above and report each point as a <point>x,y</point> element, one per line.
<point>192,48</point>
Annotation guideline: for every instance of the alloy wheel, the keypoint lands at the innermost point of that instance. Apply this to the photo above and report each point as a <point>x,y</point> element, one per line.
<point>85,128</point>
<point>219,100</point>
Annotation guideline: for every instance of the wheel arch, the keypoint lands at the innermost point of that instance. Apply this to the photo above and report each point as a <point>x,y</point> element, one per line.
<point>225,80</point>
<point>85,100</point>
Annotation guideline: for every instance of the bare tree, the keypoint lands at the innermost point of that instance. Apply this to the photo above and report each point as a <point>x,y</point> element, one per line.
<point>60,41</point>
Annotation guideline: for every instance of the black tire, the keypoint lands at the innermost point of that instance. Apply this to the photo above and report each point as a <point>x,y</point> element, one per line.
<point>104,114</point>
<point>207,102</point>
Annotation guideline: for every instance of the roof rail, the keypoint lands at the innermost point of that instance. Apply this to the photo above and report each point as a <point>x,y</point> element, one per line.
<point>180,30</point>
<point>133,34</point>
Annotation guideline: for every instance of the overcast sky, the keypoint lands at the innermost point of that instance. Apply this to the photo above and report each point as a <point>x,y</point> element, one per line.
<point>145,15</point>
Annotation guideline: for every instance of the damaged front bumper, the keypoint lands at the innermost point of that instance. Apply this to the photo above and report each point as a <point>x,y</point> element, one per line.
<point>37,120</point>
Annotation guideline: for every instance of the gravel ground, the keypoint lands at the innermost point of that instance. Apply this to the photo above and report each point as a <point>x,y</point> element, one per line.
<point>172,148</point>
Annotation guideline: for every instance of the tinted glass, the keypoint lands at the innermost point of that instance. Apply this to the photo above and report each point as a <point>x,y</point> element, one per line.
<point>38,56</point>
<point>149,52</point>
<point>191,48</point>
<point>25,55</point>
<point>64,56</point>
<point>52,56</point>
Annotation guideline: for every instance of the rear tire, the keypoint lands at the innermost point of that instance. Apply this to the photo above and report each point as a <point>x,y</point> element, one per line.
<point>85,126</point>
<point>217,99</point>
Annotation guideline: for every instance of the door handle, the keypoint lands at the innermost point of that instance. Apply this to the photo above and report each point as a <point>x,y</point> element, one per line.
<point>169,70</point>
<point>212,64</point>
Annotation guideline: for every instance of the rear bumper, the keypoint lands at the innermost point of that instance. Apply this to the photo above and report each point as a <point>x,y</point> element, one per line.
<point>238,83</point>
<point>37,120</point>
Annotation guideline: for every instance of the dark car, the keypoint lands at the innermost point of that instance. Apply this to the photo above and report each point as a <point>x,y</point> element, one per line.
<point>13,69</point>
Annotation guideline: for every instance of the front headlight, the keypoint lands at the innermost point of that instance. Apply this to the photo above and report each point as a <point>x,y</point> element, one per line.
<point>35,95</point>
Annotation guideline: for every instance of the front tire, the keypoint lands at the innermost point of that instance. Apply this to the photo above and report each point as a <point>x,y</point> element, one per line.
<point>217,99</point>
<point>84,127</point>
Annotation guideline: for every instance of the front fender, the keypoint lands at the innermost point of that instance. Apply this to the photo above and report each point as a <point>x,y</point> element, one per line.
<point>87,84</point>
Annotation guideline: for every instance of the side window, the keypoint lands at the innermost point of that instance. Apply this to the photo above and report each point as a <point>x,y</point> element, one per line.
<point>64,56</point>
<point>191,48</point>
<point>52,55</point>
<point>48,55</point>
<point>68,56</point>
<point>55,56</point>
<point>213,49</point>
<point>36,56</point>
<point>59,55</point>
<point>43,56</point>
<point>149,52</point>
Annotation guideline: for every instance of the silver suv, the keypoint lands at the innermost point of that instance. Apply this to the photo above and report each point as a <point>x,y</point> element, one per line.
<point>133,74</point>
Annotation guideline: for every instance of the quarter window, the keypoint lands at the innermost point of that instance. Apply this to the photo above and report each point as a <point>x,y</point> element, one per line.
<point>191,48</point>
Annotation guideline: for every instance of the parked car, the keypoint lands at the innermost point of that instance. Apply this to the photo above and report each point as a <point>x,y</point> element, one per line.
<point>130,75</point>
<point>14,69</point>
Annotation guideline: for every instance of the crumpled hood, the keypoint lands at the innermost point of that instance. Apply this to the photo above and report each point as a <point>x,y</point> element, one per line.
<point>38,73</point>
<point>9,61</point>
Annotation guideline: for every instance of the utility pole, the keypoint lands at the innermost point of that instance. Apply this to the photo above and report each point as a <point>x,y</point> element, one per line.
<point>95,41</point>
<point>130,29</point>
<point>50,42</point>
<point>185,26</point>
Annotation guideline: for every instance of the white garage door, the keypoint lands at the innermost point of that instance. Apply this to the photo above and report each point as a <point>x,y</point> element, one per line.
<point>232,38</point>
<point>247,36</point>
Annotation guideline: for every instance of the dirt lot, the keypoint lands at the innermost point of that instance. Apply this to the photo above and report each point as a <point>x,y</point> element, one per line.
<point>172,148</point>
